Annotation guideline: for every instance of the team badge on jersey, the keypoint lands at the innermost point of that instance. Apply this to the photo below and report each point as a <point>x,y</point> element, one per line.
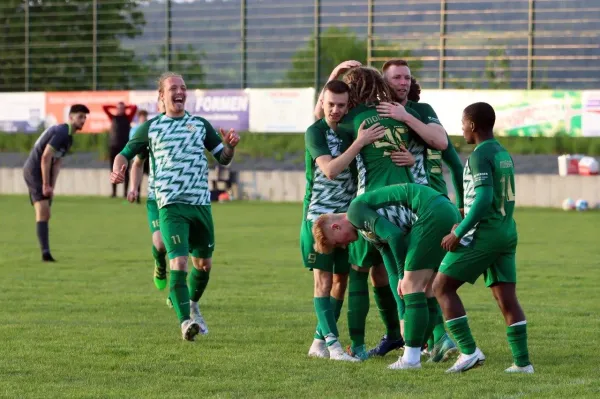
<point>191,128</point>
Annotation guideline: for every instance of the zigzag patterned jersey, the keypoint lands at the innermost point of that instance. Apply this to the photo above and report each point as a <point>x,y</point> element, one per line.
<point>177,160</point>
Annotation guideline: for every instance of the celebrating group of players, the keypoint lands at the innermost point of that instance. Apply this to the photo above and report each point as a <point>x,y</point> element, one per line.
<point>376,201</point>
<point>376,204</point>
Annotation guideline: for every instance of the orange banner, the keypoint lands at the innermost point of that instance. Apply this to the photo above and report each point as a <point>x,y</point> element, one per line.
<point>58,104</point>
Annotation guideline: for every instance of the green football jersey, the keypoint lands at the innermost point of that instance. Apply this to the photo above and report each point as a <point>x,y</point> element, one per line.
<point>425,157</point>
<point>491,165</point>
<point>322,194</point>
<point>375,167</point>
<point>177,160</point>
<point>401,204</point>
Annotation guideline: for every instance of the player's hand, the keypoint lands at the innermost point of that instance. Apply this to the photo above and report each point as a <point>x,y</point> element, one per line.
<point>400,289</point>
<point>403,157</point>
<point>231,138</point>
<point>132,196</point>
<point>118,177</point>
<point>370,135</point>
<point>450,242</point>
<point>343,68</point>
<point>392,110</point>
<point>47,190</point>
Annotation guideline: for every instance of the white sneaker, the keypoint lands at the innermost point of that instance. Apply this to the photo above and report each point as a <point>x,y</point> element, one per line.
<point>197,317</point>
<point>189,329</point>
<point>516,369</point>
<point>467,362</point>
<point>336,352</point>
<point>318,349</point>
<point>403,365</point>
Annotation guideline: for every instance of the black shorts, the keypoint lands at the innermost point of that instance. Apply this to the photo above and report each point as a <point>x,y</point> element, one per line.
<point>34,185</point>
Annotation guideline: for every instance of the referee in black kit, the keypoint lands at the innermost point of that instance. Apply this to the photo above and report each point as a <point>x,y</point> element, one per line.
<point>43,165</point>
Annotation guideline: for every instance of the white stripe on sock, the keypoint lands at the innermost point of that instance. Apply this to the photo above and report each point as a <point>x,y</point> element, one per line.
<point>458,318</point>
<point>521,323</point>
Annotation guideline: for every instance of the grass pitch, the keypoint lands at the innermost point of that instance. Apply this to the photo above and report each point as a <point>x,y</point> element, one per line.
<point>93,325</point>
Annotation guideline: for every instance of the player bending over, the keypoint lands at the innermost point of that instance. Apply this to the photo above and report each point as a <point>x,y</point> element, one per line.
<point>485,242</point>
<point>406,223</point>
<point>176,142</point>
<point>330,186</point>
<point>42,167</point>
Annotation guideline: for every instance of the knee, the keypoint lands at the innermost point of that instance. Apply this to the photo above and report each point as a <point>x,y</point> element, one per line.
<point>379,276</point>
<point>179,263</point>
<point>202,264</point>
<point>339,285</point>
<point>438,287</point>
<point>158,242</point>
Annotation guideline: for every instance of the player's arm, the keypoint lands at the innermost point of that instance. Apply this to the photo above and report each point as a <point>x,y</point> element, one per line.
<point>55,171</point>
<point>108,110</point>
<point>222,149</point>
<point>452,160</point>
<point>58,141</point>
<point>481,169</point>
<point>431,132</point>
<point>335,74</point>
<point>332,167</point>
<point>137,144</point>
<point>135,176</point>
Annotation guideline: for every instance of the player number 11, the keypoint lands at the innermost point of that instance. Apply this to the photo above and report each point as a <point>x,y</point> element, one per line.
<point>508,192</point>
<point>176,239</point>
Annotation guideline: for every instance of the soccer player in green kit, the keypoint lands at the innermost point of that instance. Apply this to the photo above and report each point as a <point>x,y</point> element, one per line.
<point>330,187</point>
<point>375,170</point>
<point>176,142</point>
<point>425,162</point>
<point>406,222</point>
<point>485,242</point>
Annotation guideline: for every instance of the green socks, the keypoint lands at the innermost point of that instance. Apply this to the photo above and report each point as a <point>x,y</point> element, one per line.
<point>161,262</point>
<point>432,305</point>
<point>336,305</point>
<point>198,283</point>
<point>439,330</point>
<point>326,318</point>
<point>459,328</point>
<point>180,296</point>
<point>416,319</point>
<point>386,303</point>
<point>517,341</point>
<point>358,306</point>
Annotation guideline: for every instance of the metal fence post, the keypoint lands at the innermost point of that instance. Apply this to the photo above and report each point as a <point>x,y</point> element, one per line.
<point>317,39</point>
<point>168,54</point>
<point>442,54</point>
<point>95,45</point>
<point>369,31</point>
<point>243,44</point>
<point>26,46</point>
<point>530,46</point>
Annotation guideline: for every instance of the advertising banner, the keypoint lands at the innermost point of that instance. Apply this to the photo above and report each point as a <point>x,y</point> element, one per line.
<point>58,104</point>
<point>281,110</point>
<point>22,112</point>
<point>590,119</point>
<point>518,112</point>
<point>225,109</point>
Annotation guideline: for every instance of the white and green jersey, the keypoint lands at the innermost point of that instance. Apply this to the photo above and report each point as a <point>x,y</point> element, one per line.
<point>398,215</point>
<point>177,160</point>
<point>322,194</point>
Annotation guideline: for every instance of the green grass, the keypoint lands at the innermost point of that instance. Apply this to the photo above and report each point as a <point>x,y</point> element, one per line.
<point>93,325</point>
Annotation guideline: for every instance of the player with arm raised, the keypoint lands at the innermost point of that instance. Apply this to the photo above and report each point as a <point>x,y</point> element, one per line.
<point>405,222</point>
<point>485,242</point>
<point>330,186</point>
<point>43,166</point>
<point>176,142</point>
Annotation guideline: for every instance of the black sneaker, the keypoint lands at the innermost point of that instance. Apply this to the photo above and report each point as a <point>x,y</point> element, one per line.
<point>47,257</point>
<point>385,346</point>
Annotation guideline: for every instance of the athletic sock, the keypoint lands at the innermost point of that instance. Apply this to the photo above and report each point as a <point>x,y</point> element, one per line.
<point>42,235</point>
<point>358,306</point>
<point>459,328</point>
<point>517,341</point>
<point>388,310</point>
<point>439,330</point>
<point>432,305</point>
<point>327,325</point>
<point>198,283</point>
<point>179,294</point>
<point>416,319</point>
<point>336,306</point>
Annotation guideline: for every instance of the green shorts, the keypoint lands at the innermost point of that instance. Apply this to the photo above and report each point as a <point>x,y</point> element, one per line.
<point>152,213</point>
<point>468,263</point>
<point>363,253</point>
<point>335,262</point>
<point>424,242</point>
<point>187,229</point>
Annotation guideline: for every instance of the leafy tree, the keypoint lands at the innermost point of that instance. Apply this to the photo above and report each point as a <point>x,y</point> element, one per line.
<point>186,61</point>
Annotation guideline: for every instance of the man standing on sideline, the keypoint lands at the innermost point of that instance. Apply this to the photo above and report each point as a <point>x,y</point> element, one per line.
<point>42,167</point>
<point>120,118</point>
